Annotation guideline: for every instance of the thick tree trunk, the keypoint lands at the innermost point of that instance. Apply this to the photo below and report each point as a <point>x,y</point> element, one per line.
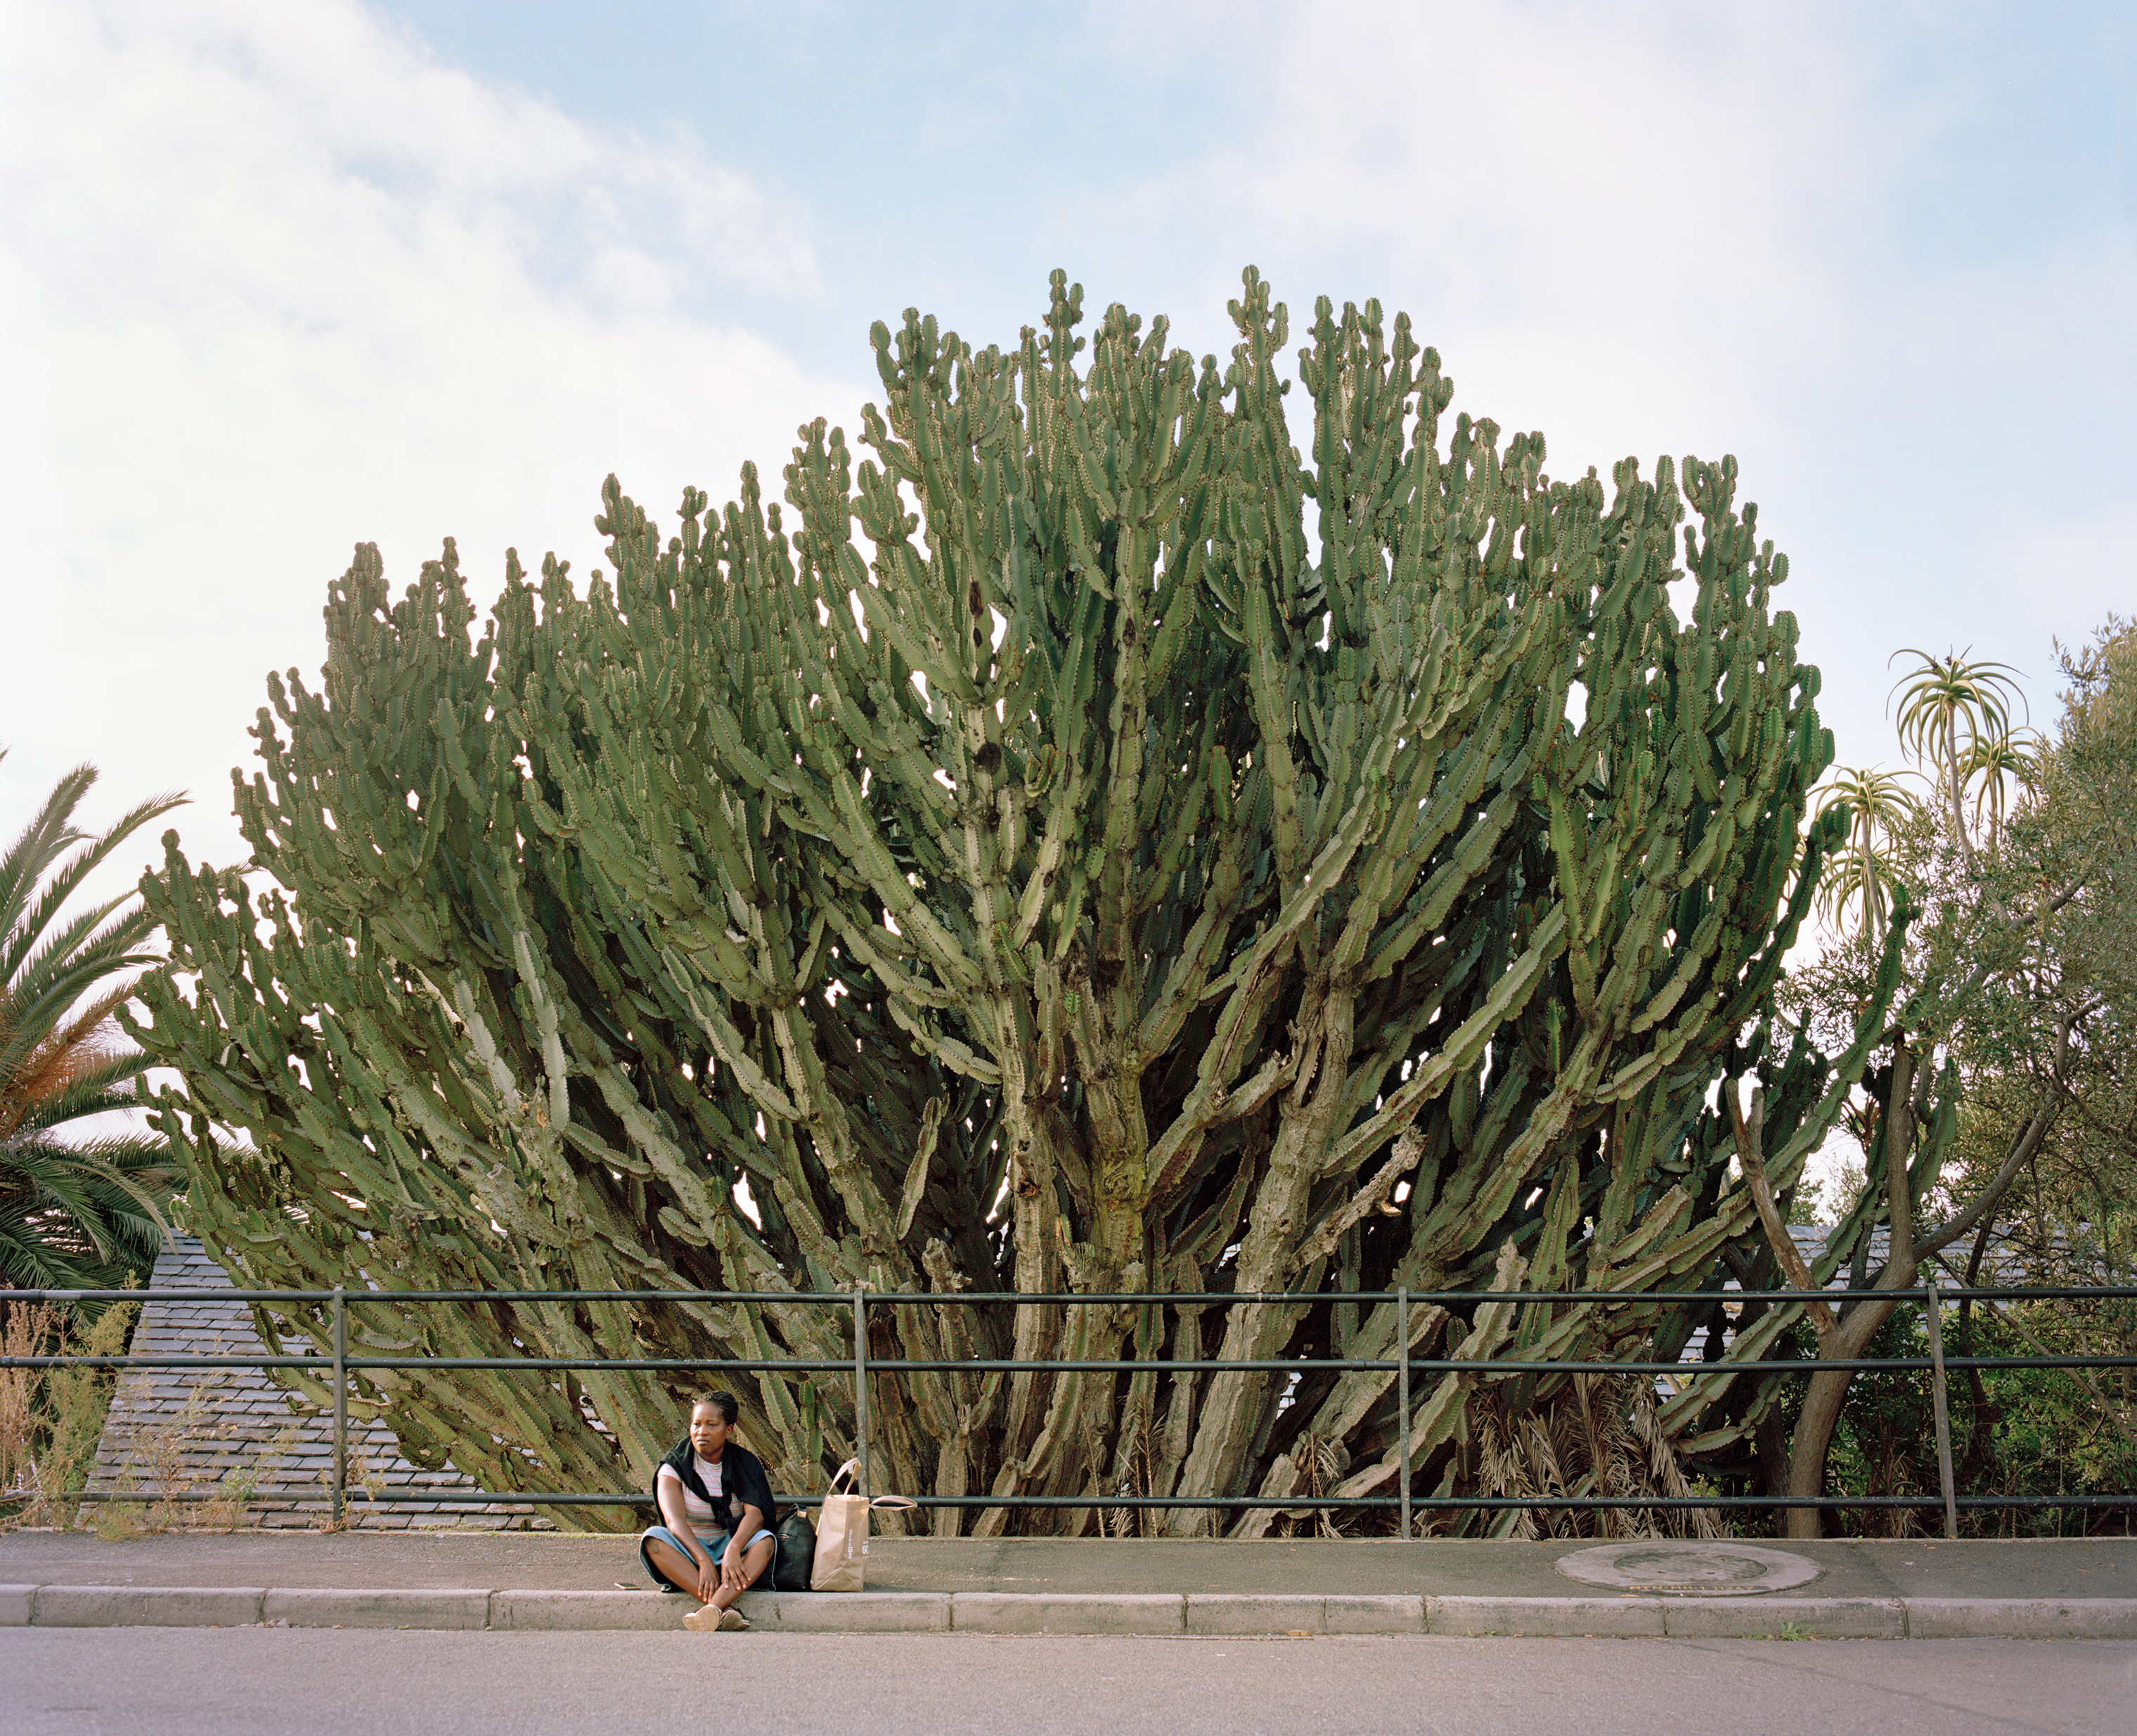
<point>1859,1325</point>
<point>1821,1413</point>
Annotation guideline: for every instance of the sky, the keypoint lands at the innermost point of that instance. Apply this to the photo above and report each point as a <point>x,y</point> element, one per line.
<point>281,276</point>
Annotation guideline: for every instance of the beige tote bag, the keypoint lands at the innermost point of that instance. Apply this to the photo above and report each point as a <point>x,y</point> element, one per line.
<point>842,1531</point>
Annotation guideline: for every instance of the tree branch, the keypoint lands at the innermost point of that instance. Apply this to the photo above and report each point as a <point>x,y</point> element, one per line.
<point>2022,1151</point>
<point>1751,1160</point>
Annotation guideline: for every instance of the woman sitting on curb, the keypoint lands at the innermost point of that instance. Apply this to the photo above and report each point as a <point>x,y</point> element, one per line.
<point>710,1483</point>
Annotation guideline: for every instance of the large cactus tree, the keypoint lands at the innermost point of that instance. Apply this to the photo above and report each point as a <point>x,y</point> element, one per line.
<point>1091,845</point>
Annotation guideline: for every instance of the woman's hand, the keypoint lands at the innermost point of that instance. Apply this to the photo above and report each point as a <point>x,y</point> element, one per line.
<point>734,1574</point>
<point>710,1575</point>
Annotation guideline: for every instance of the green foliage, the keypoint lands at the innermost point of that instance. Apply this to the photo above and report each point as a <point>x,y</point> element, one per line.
<point>1091,844</point>
<point>2010,1049</point>
<point>74,1211</point>
<point>2018,978</point>
<point>2078,833</point>
<point>2015,1432</point>
<point>1826,1200</point>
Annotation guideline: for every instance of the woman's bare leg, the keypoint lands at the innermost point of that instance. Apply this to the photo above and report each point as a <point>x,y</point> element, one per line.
<point>673,1565</point>
<point>755,1560</point>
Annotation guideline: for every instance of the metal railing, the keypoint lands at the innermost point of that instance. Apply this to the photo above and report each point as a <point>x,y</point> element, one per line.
<point>340,1365</point>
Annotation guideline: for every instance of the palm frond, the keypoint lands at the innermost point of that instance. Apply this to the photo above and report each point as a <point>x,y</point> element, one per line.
<point>72,1213</point>
<point>41,1249</point>
<point>41,843</point>
<point>51,982</point>
<point>89,1049</point>
<point>101,1091</point>
<point>26,919</point>
<point>88,1181</point>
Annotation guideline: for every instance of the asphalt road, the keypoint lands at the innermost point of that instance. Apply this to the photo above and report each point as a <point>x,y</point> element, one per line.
<point>279,1682</point>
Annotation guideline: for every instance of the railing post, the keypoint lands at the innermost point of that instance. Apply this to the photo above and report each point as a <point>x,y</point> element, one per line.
<point>1402,1392</point>
<point>861,1387</point>
<point>341,1403</point>
<point>1932,1310</point>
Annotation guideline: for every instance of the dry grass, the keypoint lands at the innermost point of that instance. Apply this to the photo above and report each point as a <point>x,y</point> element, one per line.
<point>1599,1436</point>
<point>171,1486</point>
<point>50,1418</point>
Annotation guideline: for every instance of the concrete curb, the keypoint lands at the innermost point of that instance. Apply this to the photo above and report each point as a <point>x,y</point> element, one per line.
<point>139,1605</point>
<point>313,1607</point>
<point>1374,1614</point>
<point>1068,1613</point>
<point>582,1612</point>
<point>1787,1618</point>
<point>1218,1612</point>
<point>1614,1618</point>
<point>2022,1618</point>
<point>871,1611</point>
<point>1025,1612</point>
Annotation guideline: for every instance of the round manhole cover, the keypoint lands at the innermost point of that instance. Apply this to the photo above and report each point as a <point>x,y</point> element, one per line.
<point>1689,1569</point>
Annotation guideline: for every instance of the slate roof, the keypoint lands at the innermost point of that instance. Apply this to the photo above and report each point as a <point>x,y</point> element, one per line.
<point>188,1429</point>
<point>2003,1266</point>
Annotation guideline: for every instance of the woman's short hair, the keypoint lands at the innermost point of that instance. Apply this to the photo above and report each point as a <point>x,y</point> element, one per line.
<point>724,1403</point>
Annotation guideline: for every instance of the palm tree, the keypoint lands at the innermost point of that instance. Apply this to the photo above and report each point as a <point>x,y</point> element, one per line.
<point>81,1212</point>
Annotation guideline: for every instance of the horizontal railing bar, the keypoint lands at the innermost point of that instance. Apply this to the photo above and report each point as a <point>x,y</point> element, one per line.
<point>968,1298</point>
<point>1450,1503</point>
<point>1487,1503</point>
<point>815,1365</point>
<point>1267,1365</point>
<point>304,1498</point>
<point>1119,1365</point>
<point>1688,1372</point>
<point>1420,1364</point>
<point>139,1295</point>
<point>166,1362</point>
<point>673,1364</point>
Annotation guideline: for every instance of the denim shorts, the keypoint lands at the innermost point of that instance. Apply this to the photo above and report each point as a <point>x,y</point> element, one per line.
<point>714,1545</point>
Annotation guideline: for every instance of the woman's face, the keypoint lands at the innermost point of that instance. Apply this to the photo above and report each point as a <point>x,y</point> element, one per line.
<point>708,1431</point>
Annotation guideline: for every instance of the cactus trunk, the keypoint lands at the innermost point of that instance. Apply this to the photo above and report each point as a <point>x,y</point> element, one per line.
<point>1037,859</point>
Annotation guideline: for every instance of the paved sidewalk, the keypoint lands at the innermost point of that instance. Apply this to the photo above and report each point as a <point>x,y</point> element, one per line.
<point>2049,1589</point>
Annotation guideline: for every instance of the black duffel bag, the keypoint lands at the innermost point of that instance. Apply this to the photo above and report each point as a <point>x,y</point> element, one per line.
<point>797,1553</point>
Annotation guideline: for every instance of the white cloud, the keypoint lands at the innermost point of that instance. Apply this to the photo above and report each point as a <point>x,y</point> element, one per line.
<point>1652,228</point>
<point>1607,217</point>
<point>275,282</point>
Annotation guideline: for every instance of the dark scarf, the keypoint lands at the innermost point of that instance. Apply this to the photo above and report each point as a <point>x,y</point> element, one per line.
<point>743,1483</point>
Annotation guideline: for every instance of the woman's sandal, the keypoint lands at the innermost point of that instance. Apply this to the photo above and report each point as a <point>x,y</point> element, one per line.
<point>707,1619</point>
